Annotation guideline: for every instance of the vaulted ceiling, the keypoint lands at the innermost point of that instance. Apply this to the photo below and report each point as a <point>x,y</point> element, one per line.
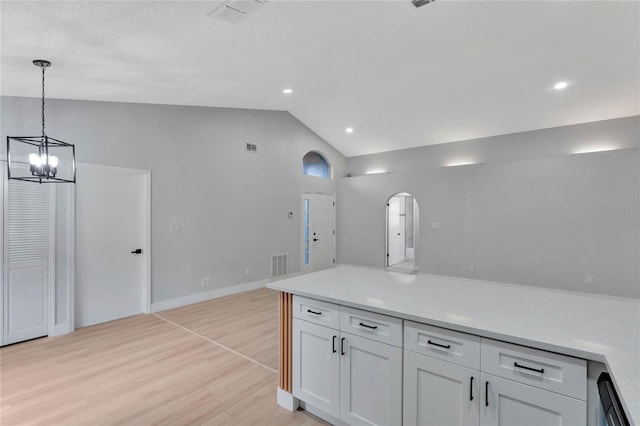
<point>399,76</point>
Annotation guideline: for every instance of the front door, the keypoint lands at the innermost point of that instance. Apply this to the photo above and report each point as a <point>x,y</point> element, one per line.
<point>318,238</point>
<point>112,224</point>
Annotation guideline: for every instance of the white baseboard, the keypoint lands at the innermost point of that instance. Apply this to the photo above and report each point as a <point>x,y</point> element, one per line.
<point>201,297</point>
<point>60,329</point>
<point>286,400</point>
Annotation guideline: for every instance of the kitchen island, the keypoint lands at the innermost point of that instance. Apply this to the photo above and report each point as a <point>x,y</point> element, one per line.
<point>585,326</point>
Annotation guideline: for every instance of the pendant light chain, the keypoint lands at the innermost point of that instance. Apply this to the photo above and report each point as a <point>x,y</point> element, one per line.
<point>43,68</point>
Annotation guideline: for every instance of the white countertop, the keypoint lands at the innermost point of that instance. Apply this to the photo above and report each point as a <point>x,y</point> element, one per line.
<point>593,327</point>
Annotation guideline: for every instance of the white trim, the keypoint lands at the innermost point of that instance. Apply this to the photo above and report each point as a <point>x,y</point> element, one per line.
<point>3,250</point>
<point>51,269</point>
<point>71,261</point>
<point>286,400</point>
<point>60,329</point>
<point>208,295</point>
<point>147,295</point>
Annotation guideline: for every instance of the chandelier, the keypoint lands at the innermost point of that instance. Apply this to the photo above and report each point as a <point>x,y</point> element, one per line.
<point>50,160</point>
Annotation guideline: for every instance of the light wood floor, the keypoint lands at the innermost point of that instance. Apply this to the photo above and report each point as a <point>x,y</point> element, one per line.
<point>172,368</point>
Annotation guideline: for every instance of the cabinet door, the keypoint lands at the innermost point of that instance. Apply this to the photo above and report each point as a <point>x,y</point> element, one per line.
<point>316,366</point>
<point>370,382</point>
<point>439,393</point>
<point>508,403</point>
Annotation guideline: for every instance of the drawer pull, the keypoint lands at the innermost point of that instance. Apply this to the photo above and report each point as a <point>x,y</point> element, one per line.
<point>342,345</point>
<point>537,370</point>
<point>438,344</point>
<point>333,345</point>
<point>314,312</point>
<point>471,389</point>
<point>373,327</point>
<point>486,394</point>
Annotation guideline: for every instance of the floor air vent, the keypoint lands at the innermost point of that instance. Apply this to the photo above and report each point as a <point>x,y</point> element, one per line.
<point>279,265</point>
<point>233,11</point>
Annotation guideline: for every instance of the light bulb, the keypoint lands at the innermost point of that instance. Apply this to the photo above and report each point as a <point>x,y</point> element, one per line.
<point>34,159</point>
<point>53,161</point>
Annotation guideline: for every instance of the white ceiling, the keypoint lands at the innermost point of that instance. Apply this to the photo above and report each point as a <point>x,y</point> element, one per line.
<point>400,76</point>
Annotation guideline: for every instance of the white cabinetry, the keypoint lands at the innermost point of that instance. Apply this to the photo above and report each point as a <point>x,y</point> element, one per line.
<point>439,393</point>
<point>348,363</point>
<point>354,378</point>
<point>508,403</point>
<point>370,382</point>
<point>316,375</point>
<point>534,388</point>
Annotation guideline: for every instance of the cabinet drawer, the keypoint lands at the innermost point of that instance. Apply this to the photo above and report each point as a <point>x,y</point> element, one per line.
<point>546,370</point>
<point>448,345</point>
<point>317,311</point>
<point>381,328</point>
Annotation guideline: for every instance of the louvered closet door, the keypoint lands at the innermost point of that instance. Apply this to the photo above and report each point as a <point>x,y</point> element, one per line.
<point>26,298</point>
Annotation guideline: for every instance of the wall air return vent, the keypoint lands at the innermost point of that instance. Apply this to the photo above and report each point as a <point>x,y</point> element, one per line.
<point>279,264</point>
<point>233,11</point>
<point>251,147</point>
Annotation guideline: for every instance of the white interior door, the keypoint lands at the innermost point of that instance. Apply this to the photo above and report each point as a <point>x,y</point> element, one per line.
<point>28,253</point>
<point>395,231</point>
<point>112,216</point>
<point>322,227</point>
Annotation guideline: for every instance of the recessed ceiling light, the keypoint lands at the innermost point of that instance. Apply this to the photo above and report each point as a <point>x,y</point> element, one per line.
<point>561,85</point>
<point>349,130</point>
<point>287,91</point>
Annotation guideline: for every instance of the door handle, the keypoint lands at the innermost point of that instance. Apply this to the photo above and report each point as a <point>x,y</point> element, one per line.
<point>137,251</point>
<point>471,389</point>
<point>316,239</point>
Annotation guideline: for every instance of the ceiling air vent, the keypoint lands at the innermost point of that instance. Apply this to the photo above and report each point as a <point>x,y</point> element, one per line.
<point>418,3</point>
<point>233,11</point>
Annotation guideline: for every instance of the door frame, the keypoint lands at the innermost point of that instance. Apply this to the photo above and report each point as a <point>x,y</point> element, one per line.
<point>146,289</point>
<point>305,269</point>
<point>416,233</point>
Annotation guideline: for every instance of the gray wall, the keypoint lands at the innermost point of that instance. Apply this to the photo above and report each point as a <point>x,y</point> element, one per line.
<point>620,133</point>
<point>232,205</point>
<point>569,222</point>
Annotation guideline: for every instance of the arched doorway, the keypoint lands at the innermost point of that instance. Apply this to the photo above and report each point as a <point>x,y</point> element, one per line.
<point>401,233</point>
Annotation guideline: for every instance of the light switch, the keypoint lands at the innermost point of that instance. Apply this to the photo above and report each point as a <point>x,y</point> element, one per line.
<point>174,228</point>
